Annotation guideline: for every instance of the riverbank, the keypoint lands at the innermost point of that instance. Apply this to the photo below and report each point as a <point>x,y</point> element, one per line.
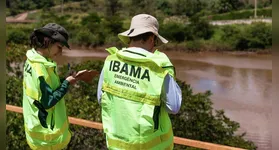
<point>179,48</point>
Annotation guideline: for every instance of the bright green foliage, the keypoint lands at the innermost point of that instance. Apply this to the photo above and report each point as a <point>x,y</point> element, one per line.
<point>257,35</point>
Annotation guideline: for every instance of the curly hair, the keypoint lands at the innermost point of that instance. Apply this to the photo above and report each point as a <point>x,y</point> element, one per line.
<point>39,40</point>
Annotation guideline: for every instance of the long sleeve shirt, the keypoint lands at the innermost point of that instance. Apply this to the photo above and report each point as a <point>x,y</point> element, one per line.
<point>51,97</point>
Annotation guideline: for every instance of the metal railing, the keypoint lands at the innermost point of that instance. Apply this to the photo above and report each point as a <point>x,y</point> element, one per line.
<point>177,140</point>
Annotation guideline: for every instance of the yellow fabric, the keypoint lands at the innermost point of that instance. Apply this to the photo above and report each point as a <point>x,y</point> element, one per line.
<point>131,95</point>
<point>50,147</point>
<point>30,92</point>
<point>50,136</point>
<point>146,145</point>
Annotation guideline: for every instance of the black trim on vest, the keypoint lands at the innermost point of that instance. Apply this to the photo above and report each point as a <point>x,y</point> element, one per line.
<point>134,53</point>
<point>42,114</point>
<point>170,67</point>
<point>52,122</point>
<point>156,117</point>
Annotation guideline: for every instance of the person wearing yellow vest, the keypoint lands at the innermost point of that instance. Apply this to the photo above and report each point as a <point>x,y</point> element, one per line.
<point>44,111</point>
<point>137,90</point>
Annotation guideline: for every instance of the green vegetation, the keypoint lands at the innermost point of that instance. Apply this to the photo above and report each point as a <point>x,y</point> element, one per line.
<point>196,119</point>
<point>243,14</point>
<point>97,23</point>
<point>185,23</point>
<point>96,30</point>
<point>123,7</point>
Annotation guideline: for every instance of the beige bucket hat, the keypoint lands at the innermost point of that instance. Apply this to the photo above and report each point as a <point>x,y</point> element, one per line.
<point>140,24</point>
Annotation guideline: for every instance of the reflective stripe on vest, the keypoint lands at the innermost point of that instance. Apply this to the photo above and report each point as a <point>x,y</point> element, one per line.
<point>131,95</point>
<point>47,137</point>
<point>146,145</point>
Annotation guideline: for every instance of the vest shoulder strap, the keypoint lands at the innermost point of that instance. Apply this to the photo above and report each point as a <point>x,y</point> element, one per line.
<point>112,50</point>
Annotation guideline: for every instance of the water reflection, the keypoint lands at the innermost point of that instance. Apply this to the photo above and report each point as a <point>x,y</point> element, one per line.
<point>238,84</point>
<point>243,93</point>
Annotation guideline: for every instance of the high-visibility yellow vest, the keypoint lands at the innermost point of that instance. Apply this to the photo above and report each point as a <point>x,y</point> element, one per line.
<point>57,134</point>
<point>133,115</point>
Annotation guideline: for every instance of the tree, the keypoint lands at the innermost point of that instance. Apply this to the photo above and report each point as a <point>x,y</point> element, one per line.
<point>112,6</point>
<point>223,6</point>
<point>200,28</point>
<point>165,6</point>
<point>19,6</point>
<point>188,7</point>
<point>142,6</point>
<point>44,3</point>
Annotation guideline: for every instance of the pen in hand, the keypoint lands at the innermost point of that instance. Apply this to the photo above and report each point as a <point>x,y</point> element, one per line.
<point>69,69</point>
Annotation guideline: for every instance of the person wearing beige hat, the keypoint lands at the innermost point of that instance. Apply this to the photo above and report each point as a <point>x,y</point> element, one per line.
<point>137,90</point>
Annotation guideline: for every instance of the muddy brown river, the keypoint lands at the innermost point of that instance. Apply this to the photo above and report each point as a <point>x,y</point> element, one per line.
<point>241,85</point>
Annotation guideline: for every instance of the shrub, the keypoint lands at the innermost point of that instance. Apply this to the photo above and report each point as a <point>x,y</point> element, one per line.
<point>243,14</point>
<point>193,45</point>
<point>18,34</point>
<point>200,28</point>
<point>174,32</point>
<point>85,37</point>
<point>260,35</point>
<point>255,36</point>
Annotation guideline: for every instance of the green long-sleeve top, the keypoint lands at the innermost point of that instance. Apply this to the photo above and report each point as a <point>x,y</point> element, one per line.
<point>51,97</point>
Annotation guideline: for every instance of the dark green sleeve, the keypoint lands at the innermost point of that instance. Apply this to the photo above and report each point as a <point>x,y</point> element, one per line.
<point>51,97</point>
<point>62,79</point>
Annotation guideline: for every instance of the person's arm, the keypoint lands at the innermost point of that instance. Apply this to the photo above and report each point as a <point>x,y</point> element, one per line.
<point>51,97</point>
<point>172,95</point>
<point>99,90</point>
<point>62,79</point>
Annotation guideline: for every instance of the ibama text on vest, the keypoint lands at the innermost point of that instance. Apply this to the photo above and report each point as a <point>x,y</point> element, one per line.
<point>129,70</point>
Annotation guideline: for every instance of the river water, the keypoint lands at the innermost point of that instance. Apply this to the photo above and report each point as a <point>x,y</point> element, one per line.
<point>241,85</point>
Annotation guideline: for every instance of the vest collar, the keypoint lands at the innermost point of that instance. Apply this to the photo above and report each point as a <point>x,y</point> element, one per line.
<point>35,57</point>
<point>139,50</point>
<point>134,54</point>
